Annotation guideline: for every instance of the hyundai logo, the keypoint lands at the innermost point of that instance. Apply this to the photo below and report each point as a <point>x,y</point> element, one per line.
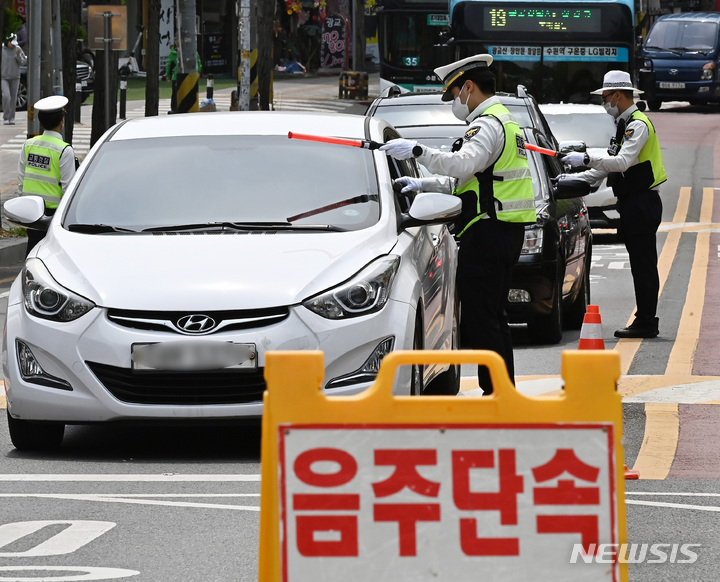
<point>673,71</point>
<point>196,323</point>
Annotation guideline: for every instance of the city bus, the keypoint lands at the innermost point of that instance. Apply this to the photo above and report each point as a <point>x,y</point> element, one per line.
<point>412,40</point>
<point>558,50</point>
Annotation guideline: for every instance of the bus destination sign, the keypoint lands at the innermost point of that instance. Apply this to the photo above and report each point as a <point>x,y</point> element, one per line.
<point>508,18</point>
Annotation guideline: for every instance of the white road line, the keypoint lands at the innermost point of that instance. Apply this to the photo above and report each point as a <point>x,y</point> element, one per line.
<point>140,478</point>
<point>673,505</point>
<point>671,494</point>
<point>134,501</point>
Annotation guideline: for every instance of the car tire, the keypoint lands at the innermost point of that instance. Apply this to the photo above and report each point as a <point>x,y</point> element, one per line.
<point>575,314</point>
<point>547,329</point>
<point>417,376</point>
<point>447,383</point>
<point>654,104</point>
<point>22,96</point>
<point>35,436</point>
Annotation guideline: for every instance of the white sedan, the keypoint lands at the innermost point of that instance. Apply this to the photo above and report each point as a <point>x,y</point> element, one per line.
<point>189,246</point>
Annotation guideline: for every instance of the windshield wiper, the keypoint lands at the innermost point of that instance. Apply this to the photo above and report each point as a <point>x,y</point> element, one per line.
<point>241,226</point>
<point>97,228</point>
<point>663,48</point>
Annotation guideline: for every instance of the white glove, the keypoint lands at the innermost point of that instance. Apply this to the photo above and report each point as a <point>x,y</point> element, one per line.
<point>574,159</point>
<point>409,184</point>
<point>400,149</point>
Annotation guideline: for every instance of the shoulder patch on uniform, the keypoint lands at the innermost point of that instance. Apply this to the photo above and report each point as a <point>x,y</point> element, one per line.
<point>471,132</point>
<point>629,133</point>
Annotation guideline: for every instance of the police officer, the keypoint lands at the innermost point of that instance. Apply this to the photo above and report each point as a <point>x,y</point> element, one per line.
<point>47,163</point>
<point>634,169</point>
<point>490,173</point>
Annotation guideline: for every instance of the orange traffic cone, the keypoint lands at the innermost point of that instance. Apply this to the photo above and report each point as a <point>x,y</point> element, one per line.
<point>591,336</point>
<point>631,474</point>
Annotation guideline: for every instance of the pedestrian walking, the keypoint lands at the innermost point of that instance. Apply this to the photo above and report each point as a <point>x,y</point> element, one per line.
<point>13,58</point>
<point>47,162</point>
<point>490,173</point>
<point>634,169</point>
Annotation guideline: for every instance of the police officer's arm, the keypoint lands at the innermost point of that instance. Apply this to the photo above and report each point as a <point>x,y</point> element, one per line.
<point>67,167</point>
<point>476,154</point>
<point>636,135</point>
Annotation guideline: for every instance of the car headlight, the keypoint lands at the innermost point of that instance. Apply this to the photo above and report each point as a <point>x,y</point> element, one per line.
<point>44,297</point>
<point>367,292</point>
<point>533,242</point>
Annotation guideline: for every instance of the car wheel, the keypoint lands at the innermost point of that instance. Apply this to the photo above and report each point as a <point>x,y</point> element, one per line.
<point>22,97</point>
<point>416,381</point>
<point>447,383</point>
<point>575,314</point>
<point>654,104</point>
<point>35,436</point>
<point>547,329</point>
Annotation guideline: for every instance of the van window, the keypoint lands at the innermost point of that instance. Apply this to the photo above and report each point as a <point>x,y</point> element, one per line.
<point>682,35</point>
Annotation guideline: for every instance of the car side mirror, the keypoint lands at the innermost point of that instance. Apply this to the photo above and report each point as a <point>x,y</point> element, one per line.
<point>567,187</point>
<point>27,212</point>
<point>432,208</point>
<point>572,145</point>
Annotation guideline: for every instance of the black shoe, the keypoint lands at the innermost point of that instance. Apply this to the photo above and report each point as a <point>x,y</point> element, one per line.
<point>640,329</point>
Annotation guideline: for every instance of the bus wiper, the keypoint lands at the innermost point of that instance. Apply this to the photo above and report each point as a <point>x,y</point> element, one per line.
<point>97,228</point>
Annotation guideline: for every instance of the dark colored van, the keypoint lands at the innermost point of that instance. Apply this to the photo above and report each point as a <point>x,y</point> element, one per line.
<point>680,58</point>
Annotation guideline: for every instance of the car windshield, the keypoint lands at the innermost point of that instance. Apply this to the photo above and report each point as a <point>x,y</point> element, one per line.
<point>594,130</point>
<point>247,180</point>
<point>682,35</point>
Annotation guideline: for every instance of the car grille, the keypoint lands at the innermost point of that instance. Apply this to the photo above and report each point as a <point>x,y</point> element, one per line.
<point>223,320</point>
<point>83,72</point>
<point>181,388</point>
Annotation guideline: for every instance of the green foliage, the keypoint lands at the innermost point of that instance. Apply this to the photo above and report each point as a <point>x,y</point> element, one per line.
<point>12,23</point>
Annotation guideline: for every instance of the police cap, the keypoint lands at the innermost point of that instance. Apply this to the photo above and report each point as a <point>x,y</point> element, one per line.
<point>452,73</point>
<point>52,103</point>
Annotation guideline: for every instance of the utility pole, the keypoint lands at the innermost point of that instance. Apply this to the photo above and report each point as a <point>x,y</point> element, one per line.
<point>188,76</point>
<point>245,46</point>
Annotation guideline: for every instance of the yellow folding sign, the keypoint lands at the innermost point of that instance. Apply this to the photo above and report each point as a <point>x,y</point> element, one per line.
<point>376,487</point>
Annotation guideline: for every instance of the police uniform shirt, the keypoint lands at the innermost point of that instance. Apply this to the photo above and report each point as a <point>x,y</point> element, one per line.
<point>483,148</point>
<point>67,165</point>
<point>636,136</point>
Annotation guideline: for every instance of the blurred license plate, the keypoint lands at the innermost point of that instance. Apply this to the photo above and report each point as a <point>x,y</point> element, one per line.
<point>193,355</point>
<point>665,85</point>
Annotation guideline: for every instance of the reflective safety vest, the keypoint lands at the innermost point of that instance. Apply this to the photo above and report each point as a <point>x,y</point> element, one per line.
<point>649,171</point>
<point>42,168</point>
<point>504,190</point>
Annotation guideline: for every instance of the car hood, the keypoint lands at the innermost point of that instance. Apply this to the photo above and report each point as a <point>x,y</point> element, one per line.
<point>224,271</point>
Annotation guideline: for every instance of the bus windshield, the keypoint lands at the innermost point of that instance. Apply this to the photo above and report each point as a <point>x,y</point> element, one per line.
<point>412,37</point>
<point>559,50</point>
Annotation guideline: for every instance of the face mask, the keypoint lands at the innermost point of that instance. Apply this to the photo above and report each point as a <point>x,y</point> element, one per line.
<point>460,109</point>
<point>611,110</point>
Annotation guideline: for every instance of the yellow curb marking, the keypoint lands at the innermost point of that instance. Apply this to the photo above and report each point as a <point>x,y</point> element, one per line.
<point>662,429</point>
<point>683,352</point>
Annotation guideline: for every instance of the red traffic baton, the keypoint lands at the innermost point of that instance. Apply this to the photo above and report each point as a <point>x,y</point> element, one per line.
<point>546,151</point>
<point>356,143</point>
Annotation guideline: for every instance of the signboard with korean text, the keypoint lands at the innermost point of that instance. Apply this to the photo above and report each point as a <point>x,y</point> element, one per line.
<point>515,52</point>
<point>386,488</point>
<point>334,46</point>
<point>585,53</point>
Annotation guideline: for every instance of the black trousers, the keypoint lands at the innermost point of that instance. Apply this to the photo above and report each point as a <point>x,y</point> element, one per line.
<point>640,217</point>
<point>488,251</point>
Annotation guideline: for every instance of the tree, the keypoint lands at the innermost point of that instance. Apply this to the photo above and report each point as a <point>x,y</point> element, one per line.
<point>265,64</point>
<point>70,17</point>
<point>99,122</point>
<point>152,58</point>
